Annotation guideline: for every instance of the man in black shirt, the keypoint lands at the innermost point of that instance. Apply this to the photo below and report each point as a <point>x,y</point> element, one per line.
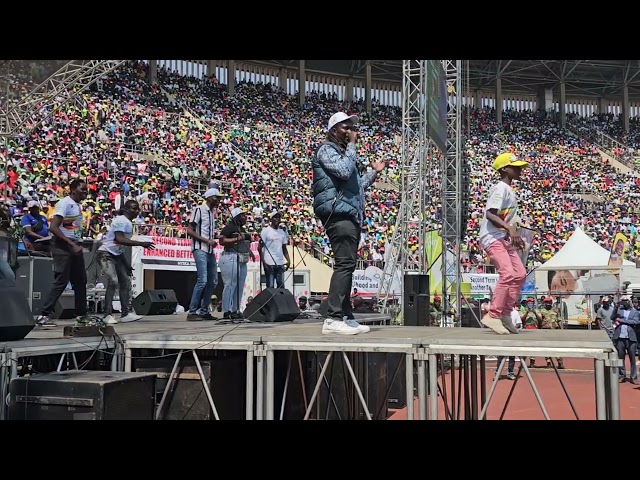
<point>233,262</point>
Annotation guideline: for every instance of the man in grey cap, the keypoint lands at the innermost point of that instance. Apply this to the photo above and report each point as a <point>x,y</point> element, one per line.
<point>201,229</point>
<point>338,201</point>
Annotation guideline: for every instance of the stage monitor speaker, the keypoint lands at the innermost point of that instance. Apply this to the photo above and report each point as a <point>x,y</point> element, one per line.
<point>16,320</point>
<point>65,306</point>
<point>155,302</point>
<point>273,305</point>
<point>417,284</point>
<point>83,395</point>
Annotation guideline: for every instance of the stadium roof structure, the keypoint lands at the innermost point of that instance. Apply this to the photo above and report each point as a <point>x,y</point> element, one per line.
<point>583,78</point>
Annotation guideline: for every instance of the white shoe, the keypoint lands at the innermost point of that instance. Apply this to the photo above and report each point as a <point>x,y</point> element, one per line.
<point>353,323</point>
<point>130,317</point>
<point>338,327</point>
<point>110,320</point>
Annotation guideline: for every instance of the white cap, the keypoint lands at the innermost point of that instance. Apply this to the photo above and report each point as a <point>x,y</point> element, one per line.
<point>275,213</point>
<point>625,297</point>
<point>341,117</point>
<point>212,192</point>
<point>33,203</point>
<point>237,211</point>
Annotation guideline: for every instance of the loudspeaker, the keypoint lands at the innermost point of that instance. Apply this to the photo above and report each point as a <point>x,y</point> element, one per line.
<point>273,305</point>
<point>324,308</point>
<point>467,319</point>
<point>416,300</point>
<point>225,375</point>
<point>416,284</point>
<point>16,320</point>
<point>337,398</point>
<point>65,306</point>
<point>83,395</point>
<point>155,302</point>
<point>34,278</point>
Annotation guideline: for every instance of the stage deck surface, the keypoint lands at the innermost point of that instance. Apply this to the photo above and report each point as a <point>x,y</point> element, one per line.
<point>442,340</point>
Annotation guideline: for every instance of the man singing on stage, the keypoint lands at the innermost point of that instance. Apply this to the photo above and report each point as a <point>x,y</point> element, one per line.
<point>338,201</point>
<point>202,226</point>
<point>115,265</point>
<point>233,262</point>
<point>274,253</point>
<point>68,260</point>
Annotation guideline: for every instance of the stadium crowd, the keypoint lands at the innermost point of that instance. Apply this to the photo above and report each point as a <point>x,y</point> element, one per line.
<point>165,144</point>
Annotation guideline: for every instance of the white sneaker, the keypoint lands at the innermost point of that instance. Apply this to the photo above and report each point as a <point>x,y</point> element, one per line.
<point>130,317</point>
<point>338,327</point>
<point>353,323</point>
<point>110,320</point>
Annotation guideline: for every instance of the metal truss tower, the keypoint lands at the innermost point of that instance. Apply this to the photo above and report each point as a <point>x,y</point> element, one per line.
<point>73,78</point>
<point>406,247</point>
<point>454,196</point>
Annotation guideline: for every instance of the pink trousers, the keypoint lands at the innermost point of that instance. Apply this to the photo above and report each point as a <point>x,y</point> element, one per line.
<point>512,274</point>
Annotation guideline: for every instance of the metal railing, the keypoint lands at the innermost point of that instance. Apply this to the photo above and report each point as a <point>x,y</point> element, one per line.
<point>603,141</point>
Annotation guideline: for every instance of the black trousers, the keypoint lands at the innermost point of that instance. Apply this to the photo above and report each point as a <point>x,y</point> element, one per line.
<point>67,267</point>
<point>344,235</point>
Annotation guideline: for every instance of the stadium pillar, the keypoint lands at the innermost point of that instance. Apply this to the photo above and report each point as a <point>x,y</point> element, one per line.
<point>302,81</point>
<point>283,80</point>
<point>499,100</point>
<point>348,94</point>
<point>367,87</point>
<point>477,99</point>
<point>231,77</point>
<point>153,72</point>
<point>602,105</point>
<point>563,104</point>
<point>625,107</point>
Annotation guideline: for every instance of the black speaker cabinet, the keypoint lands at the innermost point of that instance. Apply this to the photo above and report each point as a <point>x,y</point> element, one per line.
<point>338,398</point>
<point>225,375</point>
<point>83,395</point>
<point>16,319</point>
<point>155,302</point>
<point>273,305</point>
<point>34,277</point>
<point>65,306</point>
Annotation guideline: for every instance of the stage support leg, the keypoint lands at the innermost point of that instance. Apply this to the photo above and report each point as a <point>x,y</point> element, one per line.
<point>433,387</point>
<point>168,386</point>
<point>204,384</point>
<point>492,389</point>
<point>249,394</point>
<point>614,387</point>
<point>355,384</point>
<point>409,382</point>
<point>269,401</point>
<point>535,390</point>
<point>127,359</point>
<point>422,390</point>
<point>260,387</point>
<point>601,405</point>
<point>317,387</point>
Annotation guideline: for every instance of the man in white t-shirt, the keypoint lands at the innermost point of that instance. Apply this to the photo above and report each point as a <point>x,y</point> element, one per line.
<point>274,254</point>
<point>114,263</point>
<point>500,240</point>
<point>67,253</point>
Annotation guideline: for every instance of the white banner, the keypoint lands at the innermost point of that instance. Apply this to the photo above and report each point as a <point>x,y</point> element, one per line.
<point>367,282</point>
<point>176,253</point>
<point>481,283</point>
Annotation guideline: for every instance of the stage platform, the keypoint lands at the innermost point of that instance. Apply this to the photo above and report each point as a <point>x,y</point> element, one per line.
<point>426,352</point>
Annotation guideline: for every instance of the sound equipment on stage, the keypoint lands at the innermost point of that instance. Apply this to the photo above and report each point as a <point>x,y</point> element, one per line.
<point>272,305</point>
<point>65,306</point>
<point>467,318</point>
<point>225,375</point>
<point>83,395</point>
<point>16,320</point>
<point>155,302</point>
<point>342,401</point>
<point>9,251</point>
<point>416,300</point>
<point>34,277</point>
<point>398,391</point>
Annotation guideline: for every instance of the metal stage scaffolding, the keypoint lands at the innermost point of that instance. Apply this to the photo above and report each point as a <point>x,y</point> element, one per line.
<point>457,385</point>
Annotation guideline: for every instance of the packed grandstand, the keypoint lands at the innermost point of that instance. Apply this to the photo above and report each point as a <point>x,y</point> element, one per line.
<point>164,144</point>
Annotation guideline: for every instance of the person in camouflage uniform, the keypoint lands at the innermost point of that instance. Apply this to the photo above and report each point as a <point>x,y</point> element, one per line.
<point>530,316</point>
<point>435,312</point>
<point>550,320</point>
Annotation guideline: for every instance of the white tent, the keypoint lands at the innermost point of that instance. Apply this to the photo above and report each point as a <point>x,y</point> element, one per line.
<point>581,253</point>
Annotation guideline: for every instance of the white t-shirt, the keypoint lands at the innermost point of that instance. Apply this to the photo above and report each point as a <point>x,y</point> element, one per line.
<point>515,318</point>
<point>504,199</point>
<point>273,240</point>
<point>118,224</point>
<point>71,213</point>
